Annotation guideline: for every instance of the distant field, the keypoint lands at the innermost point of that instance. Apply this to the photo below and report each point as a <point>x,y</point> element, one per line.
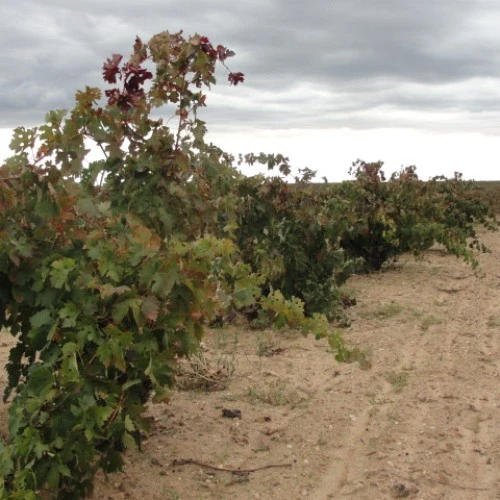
<point>487,189</point>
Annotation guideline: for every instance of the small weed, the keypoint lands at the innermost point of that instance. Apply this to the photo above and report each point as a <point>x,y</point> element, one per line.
<point>416,313</point>
<point>362,356</point>
<point>398,380</point>
<point>383,311</point>
<point>372,398</point>
<point>476,426</point>
<point>226,340</point>
<point>275,395</point>
<point>222,338</point>
<point>493,322</point>
<point>322,441</point>
<point>440,303</point>
<point>200,373</point>
<point>374,402</point>
<point>229,397</point>
<point>429,321</point>
<point>267,346</point>
<point>223,458</point>
<point>171,494</point>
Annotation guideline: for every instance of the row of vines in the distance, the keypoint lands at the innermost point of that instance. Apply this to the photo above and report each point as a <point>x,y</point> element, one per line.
<point>111,269</point>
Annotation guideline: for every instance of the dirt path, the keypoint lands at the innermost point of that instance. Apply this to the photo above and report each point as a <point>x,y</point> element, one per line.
<point>421,421</point>
<point>433,428</point>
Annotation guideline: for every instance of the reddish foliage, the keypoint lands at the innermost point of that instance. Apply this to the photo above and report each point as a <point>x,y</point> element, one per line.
<point>224,53</point>
<point>207,47</point>
<point>133,76</point>
<point>111,68</point>
<point>235,78</point>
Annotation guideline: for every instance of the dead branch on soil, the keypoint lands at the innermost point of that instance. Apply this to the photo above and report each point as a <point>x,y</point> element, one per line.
<point>186,461</point>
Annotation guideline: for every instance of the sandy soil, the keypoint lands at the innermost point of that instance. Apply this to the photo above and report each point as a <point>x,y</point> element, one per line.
<point>420,419</point>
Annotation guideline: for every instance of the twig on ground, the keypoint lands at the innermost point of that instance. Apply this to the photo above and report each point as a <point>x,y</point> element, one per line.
<point>224,469</point>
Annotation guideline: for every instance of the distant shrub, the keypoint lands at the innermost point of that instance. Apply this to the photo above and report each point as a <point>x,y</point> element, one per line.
<point>405,214</point>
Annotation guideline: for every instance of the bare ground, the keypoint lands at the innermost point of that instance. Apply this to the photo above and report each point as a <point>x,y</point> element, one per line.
<point>420,419</point>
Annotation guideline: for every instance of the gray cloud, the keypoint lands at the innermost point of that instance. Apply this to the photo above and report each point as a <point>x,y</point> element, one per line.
<point>308,64</point>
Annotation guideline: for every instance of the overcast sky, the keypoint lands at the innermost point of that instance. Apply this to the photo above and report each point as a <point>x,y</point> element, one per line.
<point>327,81</point>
